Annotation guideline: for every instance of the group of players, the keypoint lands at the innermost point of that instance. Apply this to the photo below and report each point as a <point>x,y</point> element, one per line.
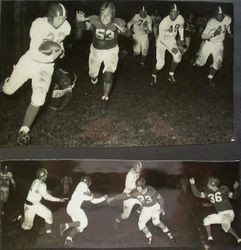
<point>136,192</point>
<point>48,33</point>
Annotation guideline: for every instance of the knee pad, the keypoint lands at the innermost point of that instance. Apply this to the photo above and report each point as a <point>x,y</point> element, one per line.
<point>108,77</point>
<point>156,222</point>
<point>49,219</point>
<point>27,226</point>
<point>218,64</point>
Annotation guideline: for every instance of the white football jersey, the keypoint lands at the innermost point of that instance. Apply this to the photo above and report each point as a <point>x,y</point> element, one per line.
<point>37,191</point>
<point>130,183</point>
<point>168,29</point>
<point>140,24</point>
<point>214,25</point>
<point>42,30</point>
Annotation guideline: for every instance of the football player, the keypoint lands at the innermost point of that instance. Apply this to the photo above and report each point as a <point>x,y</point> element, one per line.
<point>219,197</point>
<point>66,183</point>
<point>152,207</point>
<point>189,30</point>
<point>156,19</point>
<point>213,36</point>
<point>33,205</point>
<point>6,178</point>
<point>37,64</point>
<point>74,210</point>
<point>104,48</point>
<point>141,25</point>
<point>169,27</point>
<point>130,184</point>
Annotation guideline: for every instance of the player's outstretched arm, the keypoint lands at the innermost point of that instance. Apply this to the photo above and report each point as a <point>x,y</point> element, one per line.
<point>81,23</point>
<point>121,196</point>
<point>194,189</point>
<point>99,200</point>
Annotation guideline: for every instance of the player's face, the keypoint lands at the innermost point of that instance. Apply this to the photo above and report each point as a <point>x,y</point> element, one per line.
<point>143,13</point>
<point>58,21</point>
<point>173,15</point>
<point>105,17</point>
<point>219,17</point>
<point>211,187</point>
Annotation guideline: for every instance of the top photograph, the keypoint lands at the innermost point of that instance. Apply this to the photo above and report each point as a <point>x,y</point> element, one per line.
<point>116,74</point>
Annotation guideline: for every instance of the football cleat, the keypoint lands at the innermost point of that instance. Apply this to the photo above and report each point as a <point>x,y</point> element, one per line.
<point>210,238</point>
<point>68,243</point>
<point>62,229</point>
<point>94,80</point>
<point>23,138</point>
<point>154,79</point>
<point>171,79</point>
<point>170,236</point>
<point>149,240</point>
<point>238,240</point>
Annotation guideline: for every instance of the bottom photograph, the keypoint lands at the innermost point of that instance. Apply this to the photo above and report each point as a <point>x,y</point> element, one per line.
<point>120,204</point>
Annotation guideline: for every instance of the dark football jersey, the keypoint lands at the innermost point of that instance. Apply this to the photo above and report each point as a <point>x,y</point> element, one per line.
<point>104,37</point>
<point>219,199</point>
<point>189,28</point>
<point>148,199</point>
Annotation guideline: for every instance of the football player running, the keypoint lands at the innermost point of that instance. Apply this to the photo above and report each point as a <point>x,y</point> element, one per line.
<point>169,27</point>
<point>141,25</point>
<point>219,197</point>
<point>105,29</point>
<point>33,205</point>
<point>130,184</point>
<point>6,178</point>
<point>37,64</point>
<point>213,36</point>
<point>152,207</point>
<point>74,210</point>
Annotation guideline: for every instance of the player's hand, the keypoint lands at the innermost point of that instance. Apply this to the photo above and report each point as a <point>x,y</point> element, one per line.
<point>80,16</point>
<point>56,54</point>
<point>192,180</point>
<point>63,199</point>
<point>109,200</point>
<point>236,185</point>
<point>175,50</point>
<point>216,32</point>
<point>230,35</point>
<point>122,29</point>
<point>162,213</point>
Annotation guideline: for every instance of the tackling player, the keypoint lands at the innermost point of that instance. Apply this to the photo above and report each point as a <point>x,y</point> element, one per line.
<point>74,210</point>
<point>37,64</point>
<point>141,25</point>
<point>219,197</point>
<point>6,178</point>
<point>152,207</point>
<point>130,184</point>
<point>33,205</point>
<point>105,29</point>
<point>156,19</point>
<point>169,27</point>
<point>213,36</point>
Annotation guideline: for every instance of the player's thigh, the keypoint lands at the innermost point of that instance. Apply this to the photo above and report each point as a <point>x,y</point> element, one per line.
<point>217,56</point>
<point>178,56</point>
<point>160,55</point>
<point>40,83</point>
<point>137,44</point>
<point>212,219</point>
<point>95,60</point>
<point>145,216</point>
<point>29,215</point>
<point>156,214</point>
<point>44,213</point>
<point>145,45</point>
<point>111,59</point>
<point>204,52</point>
<point>20,74</point>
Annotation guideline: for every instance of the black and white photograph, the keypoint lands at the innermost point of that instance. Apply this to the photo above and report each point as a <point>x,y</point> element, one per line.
<point>120,204</point>
<point>116,74</point>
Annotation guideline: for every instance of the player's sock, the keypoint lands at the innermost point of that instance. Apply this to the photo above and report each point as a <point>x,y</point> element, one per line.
<point>30,115</point>
<point>74,224</point>
<point>73,233</point>
<point>48,228</point>
<point>231,231</point>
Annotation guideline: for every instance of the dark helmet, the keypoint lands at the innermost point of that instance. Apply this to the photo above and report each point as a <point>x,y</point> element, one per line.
<point>219,13</point>
<point>174,7</point>
<point>42,174</point>
<point>55,10</point>
<point>143,12</point>
<point>86,179</point>
<point>141,183</point>
<point>4,168</point>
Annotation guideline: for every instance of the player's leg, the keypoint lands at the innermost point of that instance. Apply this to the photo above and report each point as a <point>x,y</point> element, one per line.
<point>208,221</point>
<point>144,49</point>
<point>176,59</point>
<point>203,53</point>
<point>110,64</point>
<point>137,45</point>
<point>29,215</point>
<point>156,221</point>
<point>47,215</point>
<point>226,221</point>
<point>187,44</point>
<point>217,54</point>
<point>95,60</point>
<point>160,61</point>
<point>145,216</point>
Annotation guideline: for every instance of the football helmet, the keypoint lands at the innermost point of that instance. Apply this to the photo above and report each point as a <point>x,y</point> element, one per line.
<point>56,14</point>
<point>174,12</point>
<point>141,183</point>
<point>219,14</point>
<point>143,12</point>
<point>42,174</point>
<point>86,179</point>
<point>213,181</point>
<point>4,168</point>
<point>107,12</point>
